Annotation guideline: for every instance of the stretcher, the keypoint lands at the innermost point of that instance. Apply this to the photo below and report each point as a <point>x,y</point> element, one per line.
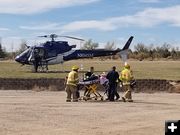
<point>91,86</point>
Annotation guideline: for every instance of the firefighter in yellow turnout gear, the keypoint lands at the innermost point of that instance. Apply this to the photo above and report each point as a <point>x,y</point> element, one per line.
<point>71,84</point>
<point>126,76</point>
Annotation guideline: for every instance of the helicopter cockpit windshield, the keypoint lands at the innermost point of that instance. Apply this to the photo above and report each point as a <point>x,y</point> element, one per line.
<point>26,52</point>
<point>23,57</point>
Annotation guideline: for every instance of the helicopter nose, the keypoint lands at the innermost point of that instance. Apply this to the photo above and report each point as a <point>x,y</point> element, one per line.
<point>18,59</point>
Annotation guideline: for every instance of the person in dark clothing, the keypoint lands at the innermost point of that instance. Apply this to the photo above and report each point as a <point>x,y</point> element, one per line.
<point>37,59</point>
<point>88,76</point>
<point>113,77</point>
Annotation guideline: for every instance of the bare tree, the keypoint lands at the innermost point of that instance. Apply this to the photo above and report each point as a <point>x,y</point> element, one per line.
<point>110,46</point>
<point>2,51</point>
<point>140,47</point>
<point>90,45</point>
<point>23,46</point>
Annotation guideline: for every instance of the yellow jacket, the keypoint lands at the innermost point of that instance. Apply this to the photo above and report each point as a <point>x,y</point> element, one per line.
<point>72,78</point>
<point>126,76</point>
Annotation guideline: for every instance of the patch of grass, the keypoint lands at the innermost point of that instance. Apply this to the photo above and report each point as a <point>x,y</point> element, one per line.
<point>169,70</point>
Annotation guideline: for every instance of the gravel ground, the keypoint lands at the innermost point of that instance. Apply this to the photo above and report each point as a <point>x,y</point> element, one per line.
<point>47,113</point>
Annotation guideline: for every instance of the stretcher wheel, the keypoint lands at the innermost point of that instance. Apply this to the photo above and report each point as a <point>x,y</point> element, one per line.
<point>84,98</point>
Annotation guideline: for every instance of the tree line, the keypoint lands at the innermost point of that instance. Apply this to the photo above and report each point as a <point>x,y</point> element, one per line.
<point>11,55</point>
<point>152,52</point>
<point>140,51</point>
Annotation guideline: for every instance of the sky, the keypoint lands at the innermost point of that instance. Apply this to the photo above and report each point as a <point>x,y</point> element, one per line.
<point>149,21</point>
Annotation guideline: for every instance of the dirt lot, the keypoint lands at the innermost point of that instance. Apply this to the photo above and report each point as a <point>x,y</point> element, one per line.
<point>47,113</point>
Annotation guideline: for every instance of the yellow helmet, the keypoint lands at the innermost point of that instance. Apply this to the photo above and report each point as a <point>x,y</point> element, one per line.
<point>126,65</point>
<point>75,67</point>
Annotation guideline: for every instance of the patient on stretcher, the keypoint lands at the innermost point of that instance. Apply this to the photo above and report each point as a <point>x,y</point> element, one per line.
<point>91,86</point>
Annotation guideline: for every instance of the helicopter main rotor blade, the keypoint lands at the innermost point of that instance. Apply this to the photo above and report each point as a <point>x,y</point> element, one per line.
<point>53,36</point>
<point>44,36</point>
<point>72,38</point>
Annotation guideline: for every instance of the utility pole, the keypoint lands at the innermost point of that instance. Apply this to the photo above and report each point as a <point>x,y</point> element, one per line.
<point>0,39</point>
<point>1,51</point>
<point>12,47</point>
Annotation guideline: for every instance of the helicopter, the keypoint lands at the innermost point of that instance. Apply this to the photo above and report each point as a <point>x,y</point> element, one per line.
<point>57,52</point>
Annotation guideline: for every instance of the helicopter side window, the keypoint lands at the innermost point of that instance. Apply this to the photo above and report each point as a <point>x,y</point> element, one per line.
<point>36,52</point>
<point>52,53</point>
<point>39,52</point>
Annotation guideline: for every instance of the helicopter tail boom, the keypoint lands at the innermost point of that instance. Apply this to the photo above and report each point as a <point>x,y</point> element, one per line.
<point>126,46</point>
<point>78,54</point>
<point>124,52</point>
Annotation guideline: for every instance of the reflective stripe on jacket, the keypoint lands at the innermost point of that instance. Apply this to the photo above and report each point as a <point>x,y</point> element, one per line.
<point>73,78</point>
<point>126,76</point>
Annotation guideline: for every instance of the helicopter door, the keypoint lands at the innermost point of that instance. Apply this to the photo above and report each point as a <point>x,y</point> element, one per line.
<point>42,53</point>
<point>43,63</point>
<point>52,56</point>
